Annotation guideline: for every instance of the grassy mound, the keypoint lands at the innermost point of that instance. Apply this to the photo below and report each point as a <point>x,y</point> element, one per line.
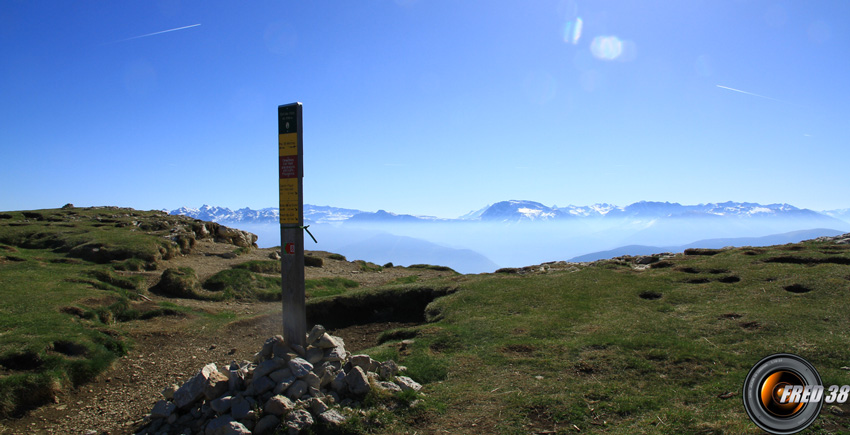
<point>614,348</point>
<point>65,291</point>
<point>243,284</point>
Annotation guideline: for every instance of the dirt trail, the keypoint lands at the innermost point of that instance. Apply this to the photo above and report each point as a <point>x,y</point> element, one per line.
<point>166,353</point>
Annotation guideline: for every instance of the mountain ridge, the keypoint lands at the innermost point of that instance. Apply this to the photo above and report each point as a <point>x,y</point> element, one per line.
<point>521,211</point>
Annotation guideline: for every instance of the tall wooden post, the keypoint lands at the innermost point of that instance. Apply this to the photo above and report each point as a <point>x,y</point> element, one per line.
<point>291,169</point>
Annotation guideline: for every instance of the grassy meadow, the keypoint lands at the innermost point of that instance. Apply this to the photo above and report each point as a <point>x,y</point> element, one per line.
<point>605,347</point>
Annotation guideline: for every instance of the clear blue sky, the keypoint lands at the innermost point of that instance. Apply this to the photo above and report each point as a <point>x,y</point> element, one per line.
<point>425,106</point>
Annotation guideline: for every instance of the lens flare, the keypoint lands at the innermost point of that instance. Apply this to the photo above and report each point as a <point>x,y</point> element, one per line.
<point>606,47</point>
<point>572,31</point>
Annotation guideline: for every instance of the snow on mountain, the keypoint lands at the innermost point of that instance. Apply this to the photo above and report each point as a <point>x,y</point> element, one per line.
<point>513,210</point>
<point>527,211</point>
<point>312,214</point>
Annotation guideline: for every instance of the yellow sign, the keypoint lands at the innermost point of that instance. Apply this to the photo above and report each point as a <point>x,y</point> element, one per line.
<point>288,144</point>
<point>289,201</point>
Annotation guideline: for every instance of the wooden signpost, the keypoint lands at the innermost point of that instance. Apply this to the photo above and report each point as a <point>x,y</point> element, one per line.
<point>291,168</point>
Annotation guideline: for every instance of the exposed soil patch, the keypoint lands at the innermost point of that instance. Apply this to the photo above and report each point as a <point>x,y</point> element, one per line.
<point>519,349</point>
<point>797,288</point>
<point>388,306</point>
<point>731,279</point>
<point>790,259</point>
<point>835,249</point>
<point>718,271</point>
<point>661,264</point>
<point>585,367</point>
<point>650,295</point>
<point>751,325</point>
<point>688,270</point>
<point>702,251</point>
<point>541,421</point>
<point>69,348</point>
<point>22,361</point>
<point>697,281</point>
<point>731,316</point>
<point>753,252</point>
<point>118,399</point>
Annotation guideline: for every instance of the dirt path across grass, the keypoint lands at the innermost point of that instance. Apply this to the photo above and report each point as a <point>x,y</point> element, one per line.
<point>165,352</point>
<point>117,401</point>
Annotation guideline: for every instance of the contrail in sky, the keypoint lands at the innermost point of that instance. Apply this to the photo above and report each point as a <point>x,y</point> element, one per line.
<point>749,93</point>
<point>157,33</point>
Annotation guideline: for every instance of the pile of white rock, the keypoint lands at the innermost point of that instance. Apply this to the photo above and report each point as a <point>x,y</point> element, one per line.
<point>285,387</point>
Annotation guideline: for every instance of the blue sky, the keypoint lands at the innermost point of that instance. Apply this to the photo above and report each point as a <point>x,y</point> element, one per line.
<point>425,106</point>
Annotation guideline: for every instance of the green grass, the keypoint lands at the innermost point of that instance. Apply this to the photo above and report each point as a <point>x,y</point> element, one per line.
<point>584,348</point>
<point>33,291</point>
<point>431,267</point>
<point>321,287</point>
<point>406,279</point>
<point>66,293</point>
<point>260,266</point>
<point>367,266</point>
<point>243,284</point>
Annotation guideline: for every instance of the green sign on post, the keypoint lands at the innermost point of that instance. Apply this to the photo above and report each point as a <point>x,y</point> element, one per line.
<point>291,169</point>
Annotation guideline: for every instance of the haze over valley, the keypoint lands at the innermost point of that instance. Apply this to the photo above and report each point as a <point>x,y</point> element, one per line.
<point>519,233</point>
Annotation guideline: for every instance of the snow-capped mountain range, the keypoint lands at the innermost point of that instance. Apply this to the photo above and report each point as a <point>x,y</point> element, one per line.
<point>525,211</point>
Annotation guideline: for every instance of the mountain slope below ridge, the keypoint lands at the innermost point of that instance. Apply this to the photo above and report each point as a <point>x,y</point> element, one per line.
<point>774,239</point>
<point>402,250</point>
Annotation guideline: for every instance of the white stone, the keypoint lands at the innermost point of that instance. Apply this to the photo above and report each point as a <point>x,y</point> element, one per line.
<point>162,409</point>
<point>362,361</point>
<point>217,423</point>
<point>315,355</point>
<point>300,367</point>
<point>407,384</point>
<point>281,374</point>
<point>332,417</point>
<point>315,333</point>
<point>221,405</point>
<point>269,366</point>
<point>338,384</point>
<point>327,341</point>
<point>299,419</point>
<point>312,380</point>
<point>278,405</point>
<point>267,425</point>
<point>387,369</point>
<point>240,407</point>
<point>262,384</point>
<point>358,382</point>
<point>284,385</point>
<point>296,390</point>
<point>193,389</point>
<point>337,353</point>
<point>317,406</point>
<point>389,386</point>
<point>169,391</point>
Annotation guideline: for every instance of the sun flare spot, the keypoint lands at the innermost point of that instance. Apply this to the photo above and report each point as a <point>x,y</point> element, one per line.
<point>572,31</point>
<point>606,47</point>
